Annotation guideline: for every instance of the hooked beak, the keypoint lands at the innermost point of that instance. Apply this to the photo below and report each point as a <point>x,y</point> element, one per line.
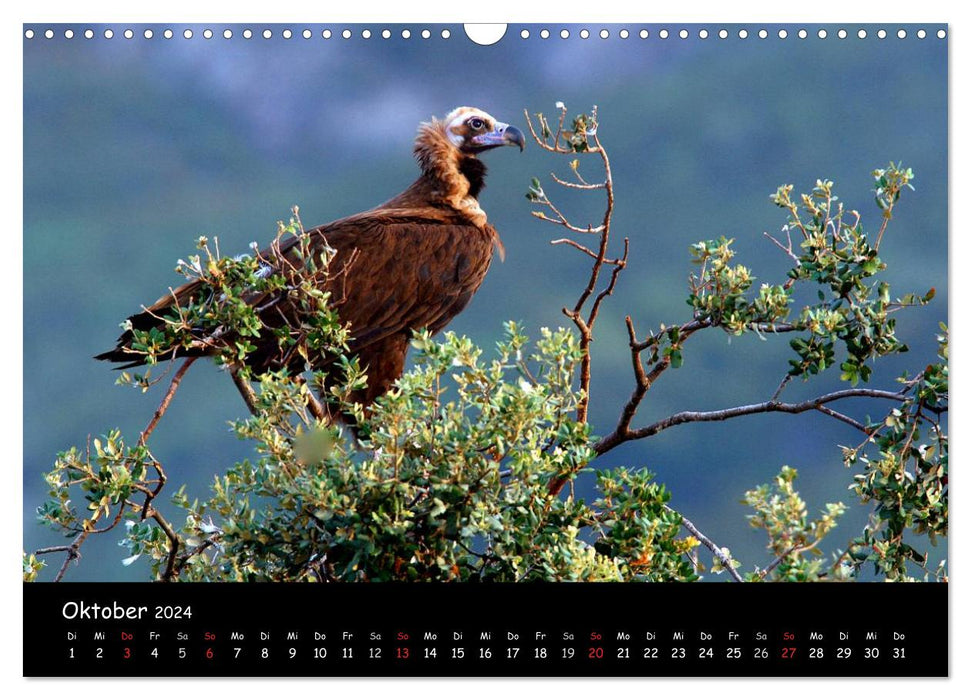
<point>502,135</point>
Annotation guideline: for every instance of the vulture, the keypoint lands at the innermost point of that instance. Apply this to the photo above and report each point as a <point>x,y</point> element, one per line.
<point>412,263</point>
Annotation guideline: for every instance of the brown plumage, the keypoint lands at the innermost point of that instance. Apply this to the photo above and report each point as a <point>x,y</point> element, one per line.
<point>415,261</point>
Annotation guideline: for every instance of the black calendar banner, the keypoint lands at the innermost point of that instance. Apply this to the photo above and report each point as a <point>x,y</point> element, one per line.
<point>483,630</point>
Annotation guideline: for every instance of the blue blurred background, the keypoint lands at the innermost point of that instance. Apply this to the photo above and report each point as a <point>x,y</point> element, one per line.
<point>134,147</point>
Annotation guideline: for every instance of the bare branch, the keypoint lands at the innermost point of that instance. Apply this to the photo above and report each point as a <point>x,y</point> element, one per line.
<point>578,186</point>
<point>725,560</point>
<point>778,560</point>
<point>50,550</point>
<point>786,250</point>
<point>844,418</point>
<point>644,379</point>
<point>619,436</point>
<point>604,237</point>
<point>110,526</point>
<point>561,221</point>
<point>166,400</point>
<point>782,385</point>
<point>684,330</point>
<point>582,317</point>
<point>73,551</point>
<point>570,242</point>
<point>641,385</point>
<point>618,265</point>
<point>794,549</point>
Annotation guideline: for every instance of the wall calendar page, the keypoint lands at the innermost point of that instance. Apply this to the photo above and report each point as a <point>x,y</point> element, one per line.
<point>521,350</point>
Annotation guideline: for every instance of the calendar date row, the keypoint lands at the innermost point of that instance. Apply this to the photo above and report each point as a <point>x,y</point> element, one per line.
<point>509,653</point>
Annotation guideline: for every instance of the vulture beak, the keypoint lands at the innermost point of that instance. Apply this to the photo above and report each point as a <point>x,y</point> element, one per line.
<point>502,135</point>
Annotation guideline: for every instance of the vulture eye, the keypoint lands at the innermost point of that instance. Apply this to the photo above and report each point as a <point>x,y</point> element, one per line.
<point>476,123</point>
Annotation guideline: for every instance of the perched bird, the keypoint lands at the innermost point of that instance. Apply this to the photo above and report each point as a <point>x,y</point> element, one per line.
<point>413,262</point>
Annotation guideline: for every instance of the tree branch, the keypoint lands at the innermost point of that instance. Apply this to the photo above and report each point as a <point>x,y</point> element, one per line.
<point>725,560</point>
<point>170,565</point>
<point>620,435</point>
<point>245,390</point>
<point>583,320</point>
<point>586,251</point>
<point>166,400</point>
<point>778,560</point>
<point>73,552</point>
<point>841,417</point>
<point>580,185</point>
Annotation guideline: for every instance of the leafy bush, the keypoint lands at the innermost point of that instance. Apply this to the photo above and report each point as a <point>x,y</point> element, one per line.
<point>458,473</point>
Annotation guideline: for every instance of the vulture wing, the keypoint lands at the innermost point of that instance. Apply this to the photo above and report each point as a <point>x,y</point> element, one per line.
<point>411,269</point>
<point>395,271</point>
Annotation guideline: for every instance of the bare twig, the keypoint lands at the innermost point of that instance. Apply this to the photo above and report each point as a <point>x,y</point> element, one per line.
<point>604,241</point>
<point>618,265</point>
<point>684,330</point>
<point>782,385</point>
<point>570,242</point>
<point>778,560</point>
<point>883,227</point>
<point>725,560</point>
<point>794,549</point>
<point>51,550</point>
<point>166,400</point>
<point>198,549</point>
<point>643,378</point>
<point>641,385</point>
<point>842,417</point>
<point>578,186</point>
<point>112,524</point>
<point>73,551</point>
<point>564,222</point>
<point>786,250</point>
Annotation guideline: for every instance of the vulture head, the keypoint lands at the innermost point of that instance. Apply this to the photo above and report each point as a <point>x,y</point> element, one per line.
<point>473,130</point>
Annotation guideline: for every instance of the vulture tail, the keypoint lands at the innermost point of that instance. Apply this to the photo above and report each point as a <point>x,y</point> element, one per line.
<point>147,319</point>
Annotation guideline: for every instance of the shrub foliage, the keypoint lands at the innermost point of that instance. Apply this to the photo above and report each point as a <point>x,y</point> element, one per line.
<point>465,470</point>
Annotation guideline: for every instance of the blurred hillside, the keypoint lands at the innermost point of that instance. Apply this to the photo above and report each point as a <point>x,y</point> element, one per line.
<point>133,148</point>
